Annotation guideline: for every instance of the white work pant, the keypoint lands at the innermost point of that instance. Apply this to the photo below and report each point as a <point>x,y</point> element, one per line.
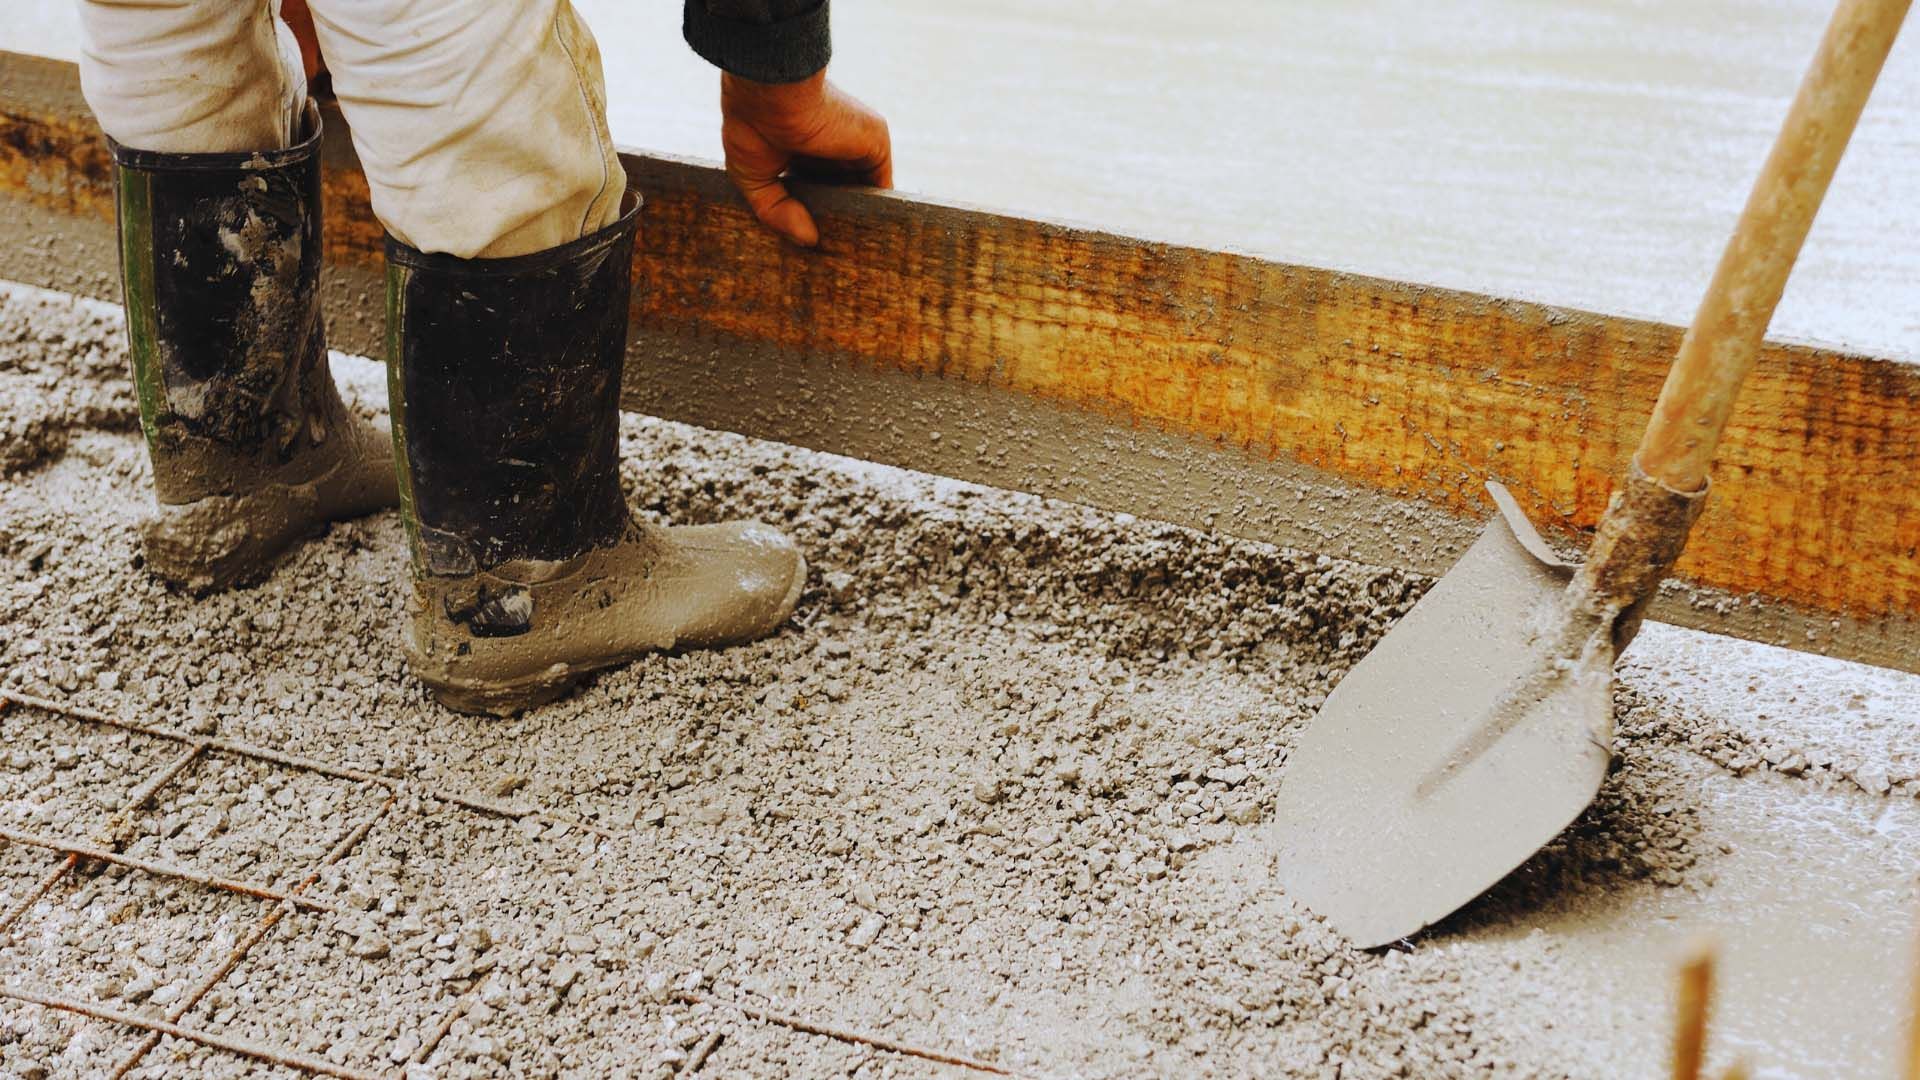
<point>481,125</point>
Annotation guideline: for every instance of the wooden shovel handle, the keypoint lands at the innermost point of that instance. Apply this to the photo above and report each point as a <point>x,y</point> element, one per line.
<point>1720,346</point>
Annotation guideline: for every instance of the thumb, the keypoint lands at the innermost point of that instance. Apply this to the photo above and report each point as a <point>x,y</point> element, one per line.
<point>754,165</point>
<point>778,210</point>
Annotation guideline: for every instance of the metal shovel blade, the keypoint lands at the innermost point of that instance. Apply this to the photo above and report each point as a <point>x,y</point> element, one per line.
<point>1452,752</point>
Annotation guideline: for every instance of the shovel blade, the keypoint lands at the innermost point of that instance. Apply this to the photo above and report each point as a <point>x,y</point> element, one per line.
<point>1450,754</point>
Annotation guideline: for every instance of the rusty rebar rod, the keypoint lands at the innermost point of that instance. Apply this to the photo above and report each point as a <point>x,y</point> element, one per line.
<point>277,1055</point>
<point>439,1034</point>
<point>151,785</point>
<point>700,1053</point>
<point>161,869</point>
<point>878,1042</point>
<point>478,803</point>
<point>287,900</point>
<point>135,801</point>
<point>253,937</point>
<point>214,742</point>
<point>33,896</point>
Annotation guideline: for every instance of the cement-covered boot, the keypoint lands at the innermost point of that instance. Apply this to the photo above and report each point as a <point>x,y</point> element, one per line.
<point>252,448</point>
<point>528,569</point>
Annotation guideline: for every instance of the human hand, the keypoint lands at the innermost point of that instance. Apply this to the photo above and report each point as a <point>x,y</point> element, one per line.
<point>810,127</point>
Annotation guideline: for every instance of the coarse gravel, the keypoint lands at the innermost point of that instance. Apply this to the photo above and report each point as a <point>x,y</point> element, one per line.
<point>996,791</point>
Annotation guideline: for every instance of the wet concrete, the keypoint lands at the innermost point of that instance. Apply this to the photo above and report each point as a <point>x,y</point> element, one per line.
<point>1028,747</point>
<point>1593,154</point>
<point>1809,898</point>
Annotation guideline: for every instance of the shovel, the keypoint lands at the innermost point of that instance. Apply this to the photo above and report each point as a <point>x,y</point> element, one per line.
<point>1482,724</point>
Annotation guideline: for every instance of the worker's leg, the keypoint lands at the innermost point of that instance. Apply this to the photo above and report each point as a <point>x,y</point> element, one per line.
<point>482,128</point>
<point>191,76</point>
<point>217,188</point>
<point>528,569</point>
<point>481,125</point>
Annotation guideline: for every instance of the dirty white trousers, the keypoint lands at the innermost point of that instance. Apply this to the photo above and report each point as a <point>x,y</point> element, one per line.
<point>481,125</point>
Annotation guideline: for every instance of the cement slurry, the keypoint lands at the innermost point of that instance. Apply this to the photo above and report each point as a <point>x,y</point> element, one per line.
<point>983,795</point>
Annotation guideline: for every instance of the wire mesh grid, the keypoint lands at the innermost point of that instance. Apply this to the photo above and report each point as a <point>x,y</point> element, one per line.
<point>111,838</point>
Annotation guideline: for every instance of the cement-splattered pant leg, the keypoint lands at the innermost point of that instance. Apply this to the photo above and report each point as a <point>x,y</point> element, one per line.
<point>480,124</point>
<point>191,76</point>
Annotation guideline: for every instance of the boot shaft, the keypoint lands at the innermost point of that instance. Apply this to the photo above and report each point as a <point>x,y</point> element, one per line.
<point>220,271</point>
<point>528,571</point>
<point>505,389</point>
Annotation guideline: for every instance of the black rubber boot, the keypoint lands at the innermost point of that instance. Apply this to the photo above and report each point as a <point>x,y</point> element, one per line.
<point>252,448</point>
<point>528,569</point>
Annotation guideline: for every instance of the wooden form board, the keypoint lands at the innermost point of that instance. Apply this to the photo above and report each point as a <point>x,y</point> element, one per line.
<point>1332,411</point>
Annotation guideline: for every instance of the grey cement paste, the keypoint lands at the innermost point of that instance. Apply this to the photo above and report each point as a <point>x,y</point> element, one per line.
<point>982,795</point>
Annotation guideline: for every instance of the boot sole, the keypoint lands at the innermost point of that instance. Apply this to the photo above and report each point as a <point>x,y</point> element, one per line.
<point>504,699</point>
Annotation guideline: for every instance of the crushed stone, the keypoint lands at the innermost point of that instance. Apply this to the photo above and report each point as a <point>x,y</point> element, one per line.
<point>983,795</point>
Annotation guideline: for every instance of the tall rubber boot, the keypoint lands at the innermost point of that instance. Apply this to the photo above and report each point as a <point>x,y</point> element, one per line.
<point>252,448</point>
<point>528,569</point>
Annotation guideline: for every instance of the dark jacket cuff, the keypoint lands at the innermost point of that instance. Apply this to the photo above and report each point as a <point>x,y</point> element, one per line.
<point>782,51</point>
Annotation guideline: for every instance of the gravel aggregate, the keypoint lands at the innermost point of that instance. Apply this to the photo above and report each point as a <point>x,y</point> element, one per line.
<point>991,793</point>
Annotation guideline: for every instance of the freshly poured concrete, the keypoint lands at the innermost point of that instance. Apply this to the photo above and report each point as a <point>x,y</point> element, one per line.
<point>1593,154</point>
<point>1811,899</point>
<point>997,790</point>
